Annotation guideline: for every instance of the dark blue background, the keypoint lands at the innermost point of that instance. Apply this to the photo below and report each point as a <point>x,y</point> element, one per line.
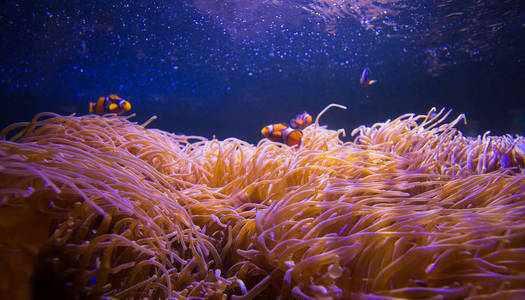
<point>208,70</point>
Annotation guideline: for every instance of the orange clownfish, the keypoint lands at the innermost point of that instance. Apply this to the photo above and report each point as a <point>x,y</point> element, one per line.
<point>281,133</point>
<point>364,80</point>
<point>109,104</point>
<point>301,121</point>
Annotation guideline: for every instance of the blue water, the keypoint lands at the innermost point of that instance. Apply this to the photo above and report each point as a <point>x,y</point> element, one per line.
<point>228,68</point>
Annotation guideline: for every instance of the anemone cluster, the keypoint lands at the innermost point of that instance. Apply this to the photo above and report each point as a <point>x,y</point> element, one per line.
<point>95,206</point>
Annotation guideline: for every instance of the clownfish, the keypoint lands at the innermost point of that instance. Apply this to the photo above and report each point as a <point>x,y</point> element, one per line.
<point>109,104</point>
<point>364,80</point>
<point>301,121</point>
<point>281,133</point>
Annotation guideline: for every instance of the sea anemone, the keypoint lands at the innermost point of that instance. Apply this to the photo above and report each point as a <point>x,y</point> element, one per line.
<point>99,206</point>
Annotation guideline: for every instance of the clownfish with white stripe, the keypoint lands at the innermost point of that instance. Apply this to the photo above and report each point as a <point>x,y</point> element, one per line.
<point>282,133</point>
<point>301,121</point>
<point>109,104</point>
<point>365,80</point>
